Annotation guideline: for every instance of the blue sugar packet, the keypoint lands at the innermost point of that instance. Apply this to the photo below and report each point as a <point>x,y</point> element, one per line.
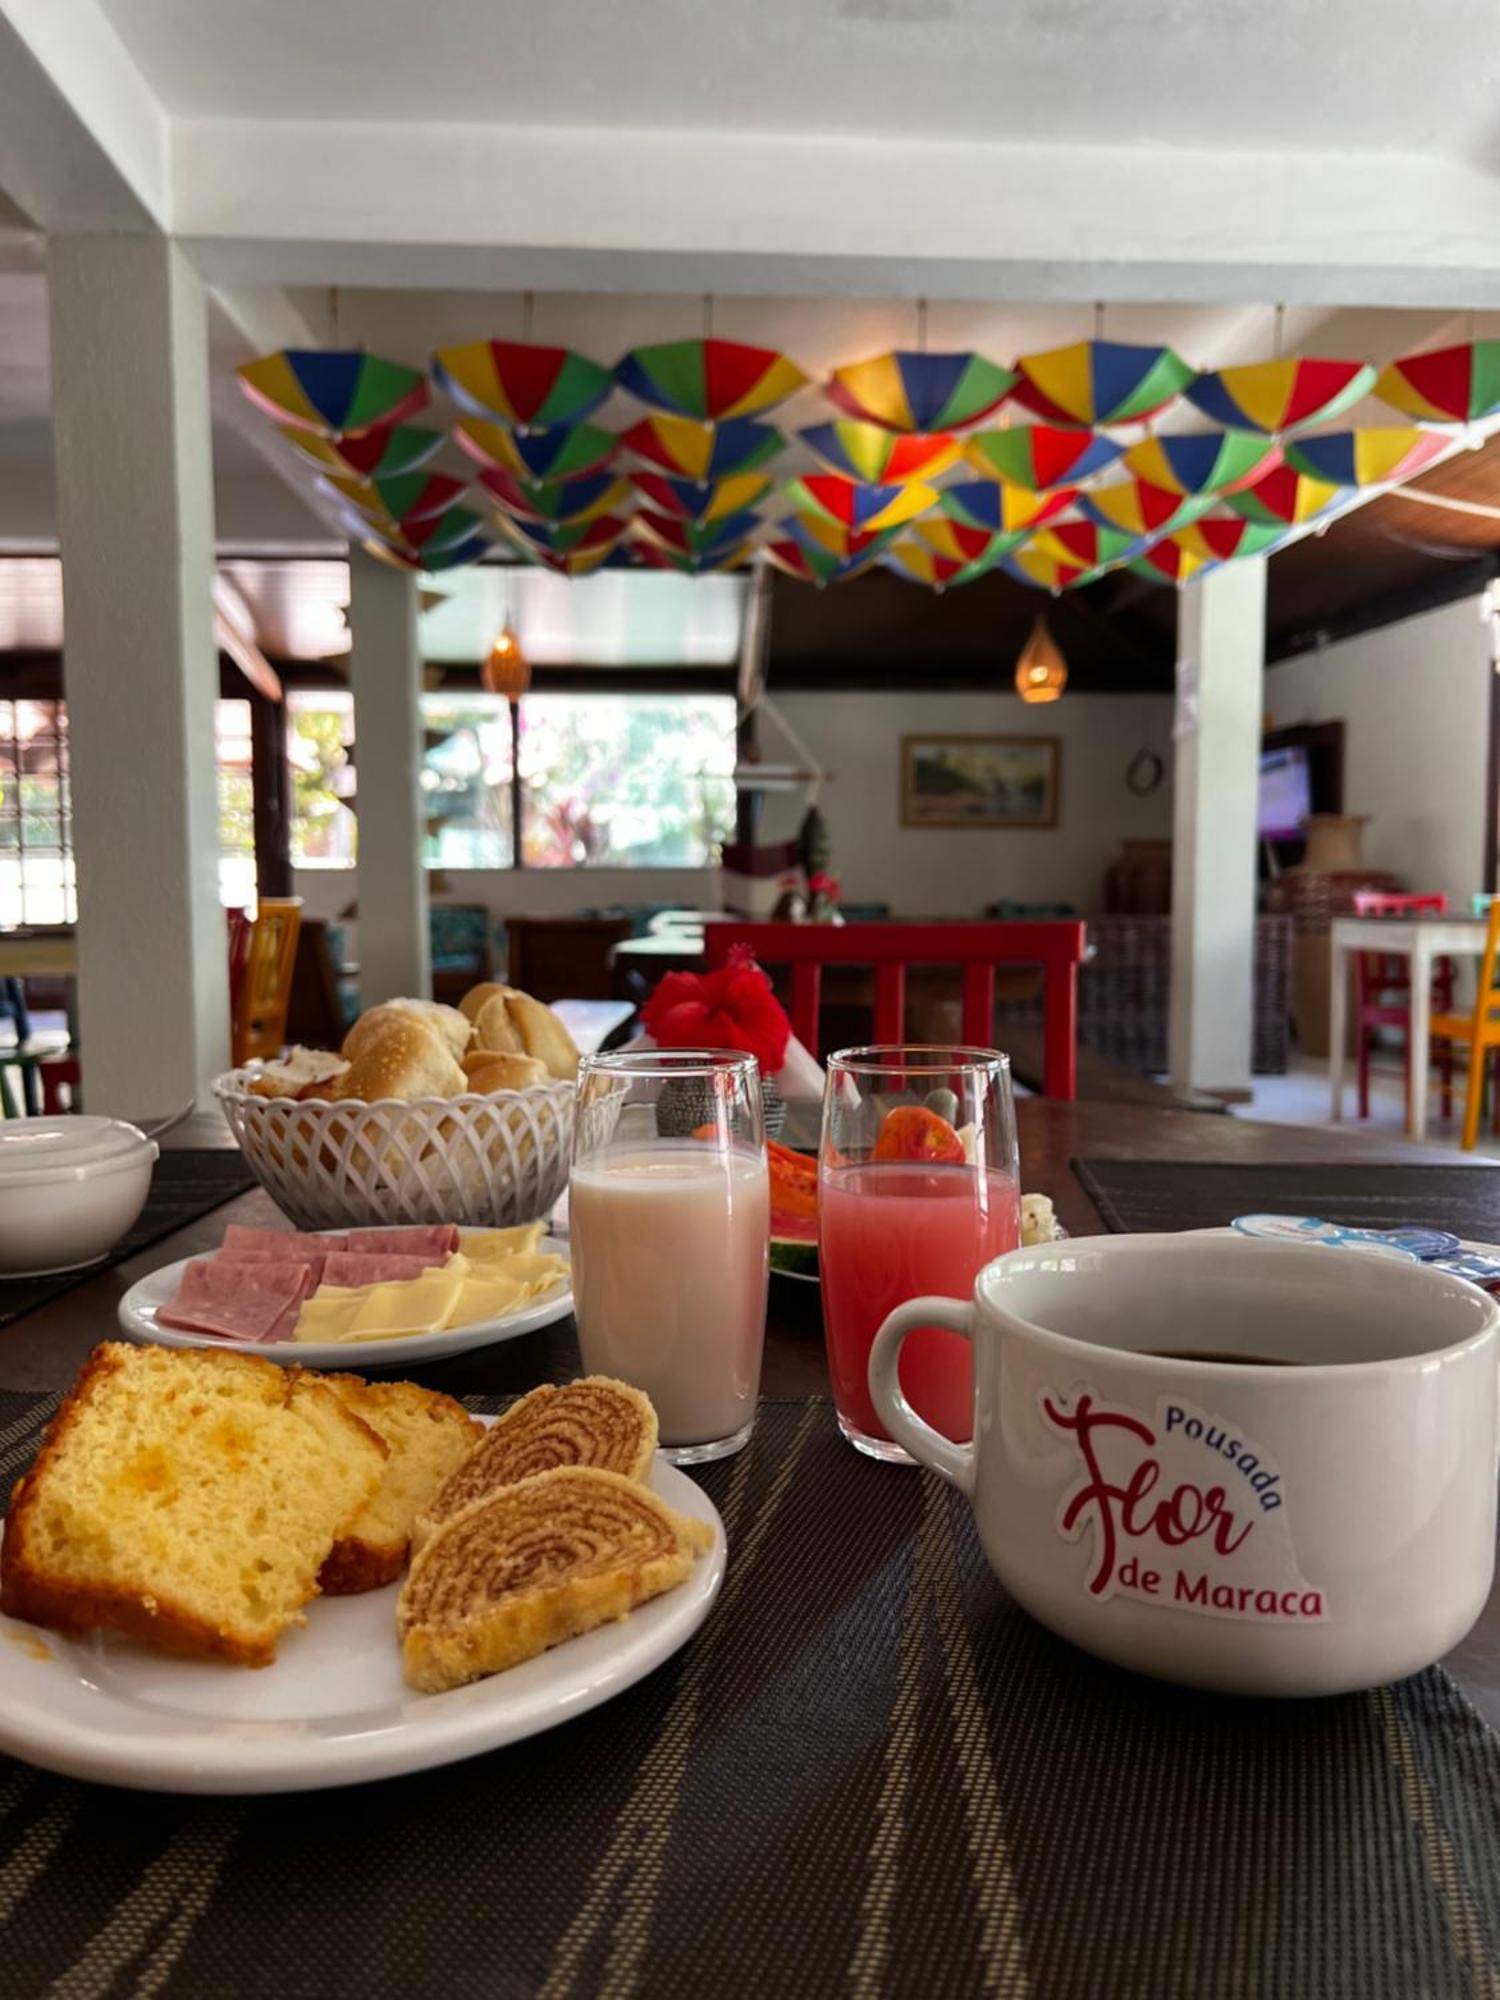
<point>1473,1265</point>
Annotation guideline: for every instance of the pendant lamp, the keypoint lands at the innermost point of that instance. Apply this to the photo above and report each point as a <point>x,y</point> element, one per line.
<point>1041,671</point>
<point>506,669</point>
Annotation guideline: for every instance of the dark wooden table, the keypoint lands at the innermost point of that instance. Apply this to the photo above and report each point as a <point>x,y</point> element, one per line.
<point>43,1350</point>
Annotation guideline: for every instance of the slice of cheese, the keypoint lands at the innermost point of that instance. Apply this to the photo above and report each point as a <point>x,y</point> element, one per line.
<point>329,1313</point>
<point>486,1245</point>
<point>417,1305</point>
<point>488,1297</point>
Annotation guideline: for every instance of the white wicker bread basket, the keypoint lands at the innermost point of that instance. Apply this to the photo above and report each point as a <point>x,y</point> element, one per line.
<point>486,1161</point>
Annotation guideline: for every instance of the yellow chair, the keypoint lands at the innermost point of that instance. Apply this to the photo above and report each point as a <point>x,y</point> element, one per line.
<point>1480,1030</point>
<point>265,986</point>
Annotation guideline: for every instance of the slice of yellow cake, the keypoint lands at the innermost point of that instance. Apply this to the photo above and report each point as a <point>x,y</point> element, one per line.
<point>429,1436</point>
<point>188,1498</point>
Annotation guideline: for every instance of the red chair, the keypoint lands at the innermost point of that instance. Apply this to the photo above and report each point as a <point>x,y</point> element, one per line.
<point>1057,946</point>
<point>1382,991</point>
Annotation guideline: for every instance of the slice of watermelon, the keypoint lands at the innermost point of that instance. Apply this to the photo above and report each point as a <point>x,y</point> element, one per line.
<point>794,1243</point>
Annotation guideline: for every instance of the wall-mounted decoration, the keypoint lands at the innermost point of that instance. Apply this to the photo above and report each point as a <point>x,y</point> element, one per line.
<point>521,383</point>
<point>571,451</point>
<point>866,451</point>
<point>339,393</point>
<point>1447,385</point>
<point>903,391</point>
<point>711,380</point>
<point>980,781</point>
<point>1040,456</point>
<point>1275,396</point>
<point>703,451</point>
<point>1101,382</point>
<point>383,453</point>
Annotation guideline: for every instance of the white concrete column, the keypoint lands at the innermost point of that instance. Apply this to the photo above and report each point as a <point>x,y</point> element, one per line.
<point>1221,649</point>
<point>131,434</point>
<point>386,675</point>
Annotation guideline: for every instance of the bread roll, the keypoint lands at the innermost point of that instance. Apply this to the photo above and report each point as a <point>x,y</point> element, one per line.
<point>544,1035</point>
<point>451,1028</point>
<point>402,1058</point>
<point>476,996</point>
<point>496,1069</point>
<point>300,1073</point>
<point>493,1027</point>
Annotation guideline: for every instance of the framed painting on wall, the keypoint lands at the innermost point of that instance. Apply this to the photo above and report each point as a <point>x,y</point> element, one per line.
<point>985,781</point>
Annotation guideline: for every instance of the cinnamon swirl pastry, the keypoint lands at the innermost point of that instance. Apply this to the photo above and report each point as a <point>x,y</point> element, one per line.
<point>534,1564</point>
<point>594,1422</point>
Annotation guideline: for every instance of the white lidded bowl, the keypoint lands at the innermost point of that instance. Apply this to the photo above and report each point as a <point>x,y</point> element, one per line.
<point>485,1161</point>
<point>69,1190</point>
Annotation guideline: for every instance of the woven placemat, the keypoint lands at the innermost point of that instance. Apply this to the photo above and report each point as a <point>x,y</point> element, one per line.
<point>869,1774</point>
<point>185,1183</point>
<point>1137,1195</point>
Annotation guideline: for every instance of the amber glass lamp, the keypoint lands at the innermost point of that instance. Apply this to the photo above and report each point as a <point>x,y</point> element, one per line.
<point>506,669</point>
<point>1041,671</point>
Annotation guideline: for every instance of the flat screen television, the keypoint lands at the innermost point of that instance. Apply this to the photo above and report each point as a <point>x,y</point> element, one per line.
<point>1285,793</point>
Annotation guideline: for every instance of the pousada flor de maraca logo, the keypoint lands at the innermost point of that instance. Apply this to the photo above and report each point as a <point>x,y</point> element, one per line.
<point>1183,1511</point>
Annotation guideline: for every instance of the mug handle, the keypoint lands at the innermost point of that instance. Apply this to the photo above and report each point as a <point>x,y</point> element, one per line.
<point>928,1446</point>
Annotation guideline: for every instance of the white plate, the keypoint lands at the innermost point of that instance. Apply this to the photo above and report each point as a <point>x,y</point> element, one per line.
<point>333,1710</point>
<point>138,1319</point>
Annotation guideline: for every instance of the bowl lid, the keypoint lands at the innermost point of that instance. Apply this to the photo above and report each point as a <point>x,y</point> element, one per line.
<point>70,1148</point>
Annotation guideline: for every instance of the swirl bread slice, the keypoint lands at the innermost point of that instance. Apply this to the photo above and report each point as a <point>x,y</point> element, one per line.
<point>536,1563</point>
<point>186,1498</point>
<point>596,1422</point>
<point>429,1436</point>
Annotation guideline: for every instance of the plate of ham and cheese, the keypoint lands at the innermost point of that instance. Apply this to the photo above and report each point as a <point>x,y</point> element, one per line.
<point>376,1296</point>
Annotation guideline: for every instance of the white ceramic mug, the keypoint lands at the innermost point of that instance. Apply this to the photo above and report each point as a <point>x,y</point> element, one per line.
<point>1293,1530</point>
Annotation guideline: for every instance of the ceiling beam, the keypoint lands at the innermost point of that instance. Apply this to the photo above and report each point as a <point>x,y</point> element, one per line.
<point>84,143</point>
<point>411,204</point>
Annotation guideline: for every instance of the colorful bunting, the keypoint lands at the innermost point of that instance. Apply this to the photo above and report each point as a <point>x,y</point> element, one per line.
<point>1040,456</point>
<point>712,501</point>
<point>1101,382</point>
<point>1285,496</point>
<point>521,383</point>
<point>920,564</point>
<point>455,557</point>
<point>1136,507</point>
<point>871,453</point>
<point>1044,569</point>
<point>1448,385</point>
<point>653,555</point>
<point>703,452</point>
<point>697,538</point>
<point>1276,396</point>
<point>709,379</point>
<point>1222,538</point>
<point>567,537</point>
<point>811,564</point>
<point>1085,544</point>
<point>1168,561</point>
<point>568,452</point>
<point>1000,508</point>
<point>853,504</point>
<point>958,543</point>
<point>559,499</point>
<point>412,496</point>
<point>1368,457</point>
<point>1204,461</point>
<point>383,453</point>
<point>832,538</point>
<point>337,393</point>
<point>901,391</point>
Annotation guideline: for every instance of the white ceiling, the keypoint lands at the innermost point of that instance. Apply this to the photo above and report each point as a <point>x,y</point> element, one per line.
<point>1292,73</point>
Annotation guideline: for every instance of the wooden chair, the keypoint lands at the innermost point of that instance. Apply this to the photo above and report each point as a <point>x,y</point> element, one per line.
<point>259,1016</point>
<point>892,949</point>
<point>1480,1030</point>
<point>1382,991</point>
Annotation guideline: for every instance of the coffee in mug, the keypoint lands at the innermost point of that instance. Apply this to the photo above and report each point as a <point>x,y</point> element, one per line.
<point>1218,1516</point>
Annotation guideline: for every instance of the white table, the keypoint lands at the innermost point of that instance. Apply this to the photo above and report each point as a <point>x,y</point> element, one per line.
<point>1420,939</point>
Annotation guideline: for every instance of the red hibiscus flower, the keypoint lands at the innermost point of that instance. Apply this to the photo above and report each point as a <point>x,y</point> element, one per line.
<point>733,1008</point>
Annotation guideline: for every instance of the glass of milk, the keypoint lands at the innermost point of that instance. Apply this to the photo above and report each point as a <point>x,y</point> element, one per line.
<point>669,1211</point>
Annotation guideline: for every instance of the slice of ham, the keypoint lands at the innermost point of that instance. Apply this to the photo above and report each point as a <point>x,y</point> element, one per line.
<point>349,1268</point>
<point>314,1260</point>
<point>242,1241</point>
<point>244,1300</point>
<point>432,1242</point>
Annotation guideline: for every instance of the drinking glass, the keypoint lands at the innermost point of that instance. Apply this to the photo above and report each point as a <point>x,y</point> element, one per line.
<point>669,1207</point>
<point>918,1190</point>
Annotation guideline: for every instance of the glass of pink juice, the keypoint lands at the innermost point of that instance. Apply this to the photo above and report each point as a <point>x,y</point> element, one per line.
<point>918,1189</point>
